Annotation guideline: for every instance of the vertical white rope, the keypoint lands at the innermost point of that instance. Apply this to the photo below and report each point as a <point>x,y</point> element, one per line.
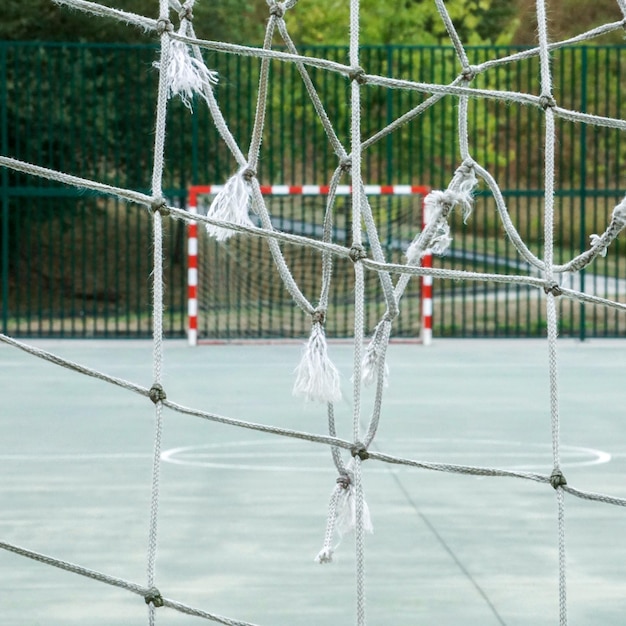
<point>551,312</point>
<point>359,296</point>
<point>157,294</point>
<point>357,191</point>
<point>359,533</point>
<point>560,495</point>
<point>162,97</point>
<point>158,428</point>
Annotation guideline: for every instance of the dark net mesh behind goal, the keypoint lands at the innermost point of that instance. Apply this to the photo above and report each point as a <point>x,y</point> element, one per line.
<point>241,294</point>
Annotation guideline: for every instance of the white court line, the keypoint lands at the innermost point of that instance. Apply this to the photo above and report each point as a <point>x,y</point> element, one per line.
<point>228,455</point>
<point>80,456</point>
<point>212,456</point>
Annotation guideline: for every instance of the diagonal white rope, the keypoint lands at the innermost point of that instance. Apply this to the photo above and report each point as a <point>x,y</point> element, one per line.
<point>147,593</point>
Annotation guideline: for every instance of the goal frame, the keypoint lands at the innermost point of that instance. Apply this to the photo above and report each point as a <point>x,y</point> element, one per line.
<point>426,282</point>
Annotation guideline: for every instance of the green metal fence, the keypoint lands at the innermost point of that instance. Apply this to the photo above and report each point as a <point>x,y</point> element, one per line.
<point>75,264</point>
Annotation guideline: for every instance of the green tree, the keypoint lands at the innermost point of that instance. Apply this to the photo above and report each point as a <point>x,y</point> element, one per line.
<point>412,22</point>
<point>560,23</point>
<point>42,20</point>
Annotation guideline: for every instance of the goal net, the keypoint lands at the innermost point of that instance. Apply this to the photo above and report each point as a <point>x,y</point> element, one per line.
<point>235,291</point>
<point>349,248</point>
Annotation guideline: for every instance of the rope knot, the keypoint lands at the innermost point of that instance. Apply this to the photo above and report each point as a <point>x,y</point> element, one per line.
<point>469,73</point>
<point>318,316</point>
<point>345,165</point>
<point>277,10</point>
<point>153,596</point>
<point>359,449</point>
<point>554,289</point>
<point>186,13</point>
<point>164,25</point>
<point>157,393</point>
<point>159,205</point>
<point>466,168</point>
<point>557,479</point>
<point>248,174</point>
<point>546,101</point>
<point>344,481</point>
<point>357,252</point>
<point>358,74</point>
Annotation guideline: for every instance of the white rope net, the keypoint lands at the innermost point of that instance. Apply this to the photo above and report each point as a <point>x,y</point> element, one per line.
<point>183,73</point>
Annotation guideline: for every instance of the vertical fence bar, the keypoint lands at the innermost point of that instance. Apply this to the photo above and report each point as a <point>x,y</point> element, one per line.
<point>4,131</point>
<point>583,181</point>
<point>618,51</point>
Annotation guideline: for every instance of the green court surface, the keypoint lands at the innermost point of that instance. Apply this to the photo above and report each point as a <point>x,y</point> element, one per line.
<point>242,514</point>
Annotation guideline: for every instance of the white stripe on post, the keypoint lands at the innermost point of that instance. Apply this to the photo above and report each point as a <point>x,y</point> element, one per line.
<point>192,274</point>
<point>427,289</point>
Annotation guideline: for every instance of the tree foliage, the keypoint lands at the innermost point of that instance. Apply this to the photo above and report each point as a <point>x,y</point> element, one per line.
<point>413,22</point>
<point>586,15</point>
<point>42,20</point>
<point>410,22</point>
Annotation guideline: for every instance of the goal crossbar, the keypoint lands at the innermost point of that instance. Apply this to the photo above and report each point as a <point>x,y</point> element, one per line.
<point>196,191</point>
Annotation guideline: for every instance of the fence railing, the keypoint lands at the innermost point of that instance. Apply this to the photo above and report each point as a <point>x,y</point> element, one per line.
<point>74,264</point>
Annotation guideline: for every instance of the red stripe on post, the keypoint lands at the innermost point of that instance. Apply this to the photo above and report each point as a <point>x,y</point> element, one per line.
<point>192,265</point>
<point>426,283</point>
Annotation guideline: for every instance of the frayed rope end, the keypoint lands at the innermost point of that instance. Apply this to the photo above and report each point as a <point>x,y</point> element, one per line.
<point>325,556</point>
<point>596,240</point>
<point>317,379</point>
<point>187,75</point>
<point>371,363</point>
<point>231,204</point>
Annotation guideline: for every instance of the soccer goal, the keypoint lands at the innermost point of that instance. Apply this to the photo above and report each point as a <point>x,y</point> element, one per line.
<point>235,292</point>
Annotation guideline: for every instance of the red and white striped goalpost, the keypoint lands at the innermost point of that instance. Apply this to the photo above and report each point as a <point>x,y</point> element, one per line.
<point>427,288</point>
<point>300,190</point>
